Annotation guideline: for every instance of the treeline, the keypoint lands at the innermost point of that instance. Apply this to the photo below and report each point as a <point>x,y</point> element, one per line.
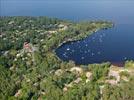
<point>24,23</point>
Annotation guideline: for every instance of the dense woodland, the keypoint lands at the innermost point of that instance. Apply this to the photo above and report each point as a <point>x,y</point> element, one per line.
<point>30,69</point>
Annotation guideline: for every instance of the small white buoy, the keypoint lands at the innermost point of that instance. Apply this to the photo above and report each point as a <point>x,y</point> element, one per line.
<point>82,57</point>
<point>99,52</point>
<point>125,58</point>
<point>68,49</point>
<point>92,54</point>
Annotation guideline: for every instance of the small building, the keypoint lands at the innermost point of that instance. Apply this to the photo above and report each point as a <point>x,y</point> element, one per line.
<point>77,70</point>
<point>18,93</point>
<point>101,89</point>
<point>65,89</point>
<point>28,47</point>
<point>60,25</point>
<point>77,80</point>
<point>50,32</point>
<point>69,85</point>
<point>112,82</point>
<point>89,75</point>
<point>11,22</point>
<point>114,74</point>
<point>58,72</point>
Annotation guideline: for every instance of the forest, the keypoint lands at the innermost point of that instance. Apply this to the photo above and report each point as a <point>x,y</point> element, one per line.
<point>30,69</point>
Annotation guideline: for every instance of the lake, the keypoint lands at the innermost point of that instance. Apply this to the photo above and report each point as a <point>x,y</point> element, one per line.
<point>115,45</point>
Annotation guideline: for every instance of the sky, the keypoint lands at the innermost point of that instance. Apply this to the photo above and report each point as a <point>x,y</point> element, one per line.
<point>118,10</point>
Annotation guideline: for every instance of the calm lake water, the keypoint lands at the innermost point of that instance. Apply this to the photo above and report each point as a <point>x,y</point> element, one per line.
<point>115,45</point>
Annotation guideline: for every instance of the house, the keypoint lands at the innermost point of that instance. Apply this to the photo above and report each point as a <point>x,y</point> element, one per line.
<point>62,27</point>
<point>77,70</point>
<point>11,22</point>
<point>50,32</point>
<point>101,89</point>
<point>65,89</point>
<point>112,82</point>
<point>88,75</point>
<point>58,72</point>
<point>69,85</point>
<point>77,80</point>
<point>28,47</point>
<point>115,74</point>
<point>18,93</point>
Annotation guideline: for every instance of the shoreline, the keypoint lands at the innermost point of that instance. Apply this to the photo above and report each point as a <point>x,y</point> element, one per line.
<point>87,34</point>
